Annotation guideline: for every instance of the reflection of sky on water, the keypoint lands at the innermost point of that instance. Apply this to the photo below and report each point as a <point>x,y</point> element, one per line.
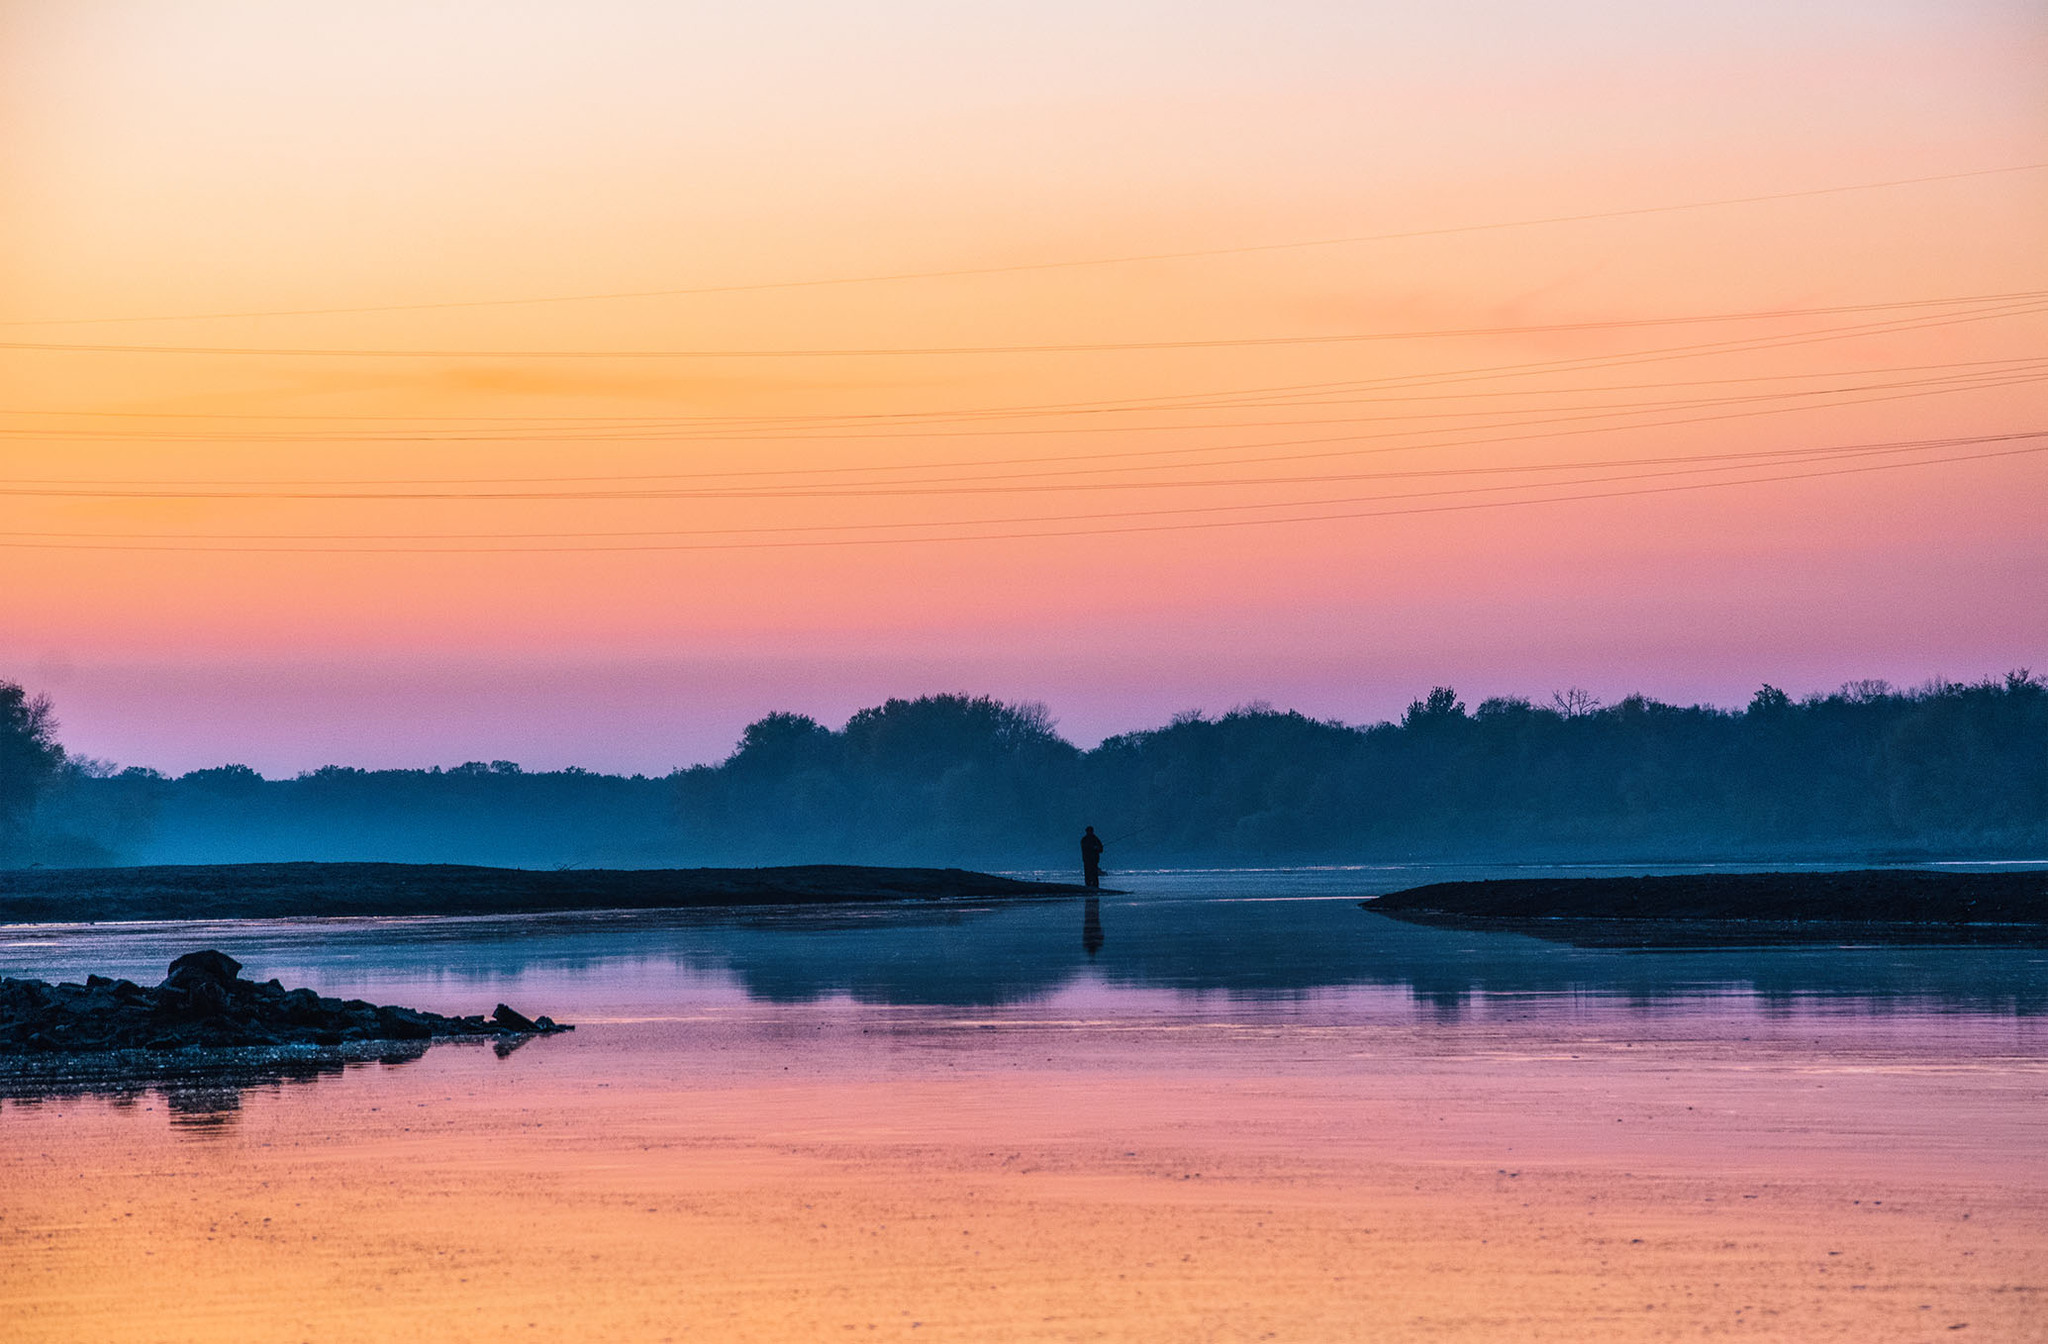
<point>198,1089</point>
<point>1179,939</point>
<point>1208,961</point>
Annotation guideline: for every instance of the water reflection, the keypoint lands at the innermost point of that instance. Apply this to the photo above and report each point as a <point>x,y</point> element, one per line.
<point>201,1091</point>
<point>1277,939</point>
<point>1285,949</point>
<point>1091,926</point>
<point>1273,936</point>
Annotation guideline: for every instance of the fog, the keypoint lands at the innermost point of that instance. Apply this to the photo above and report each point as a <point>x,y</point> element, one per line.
<point>1868,772</point>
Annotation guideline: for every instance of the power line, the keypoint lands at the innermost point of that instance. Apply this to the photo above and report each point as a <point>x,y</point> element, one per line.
<point>1100,464</point>
<point>1207,525</point>
<point>982,483</point>
<point>1057,348</point>
<point>1408,382</point>
<point>1265,396</point>
<point>1193,400</point>
<point>1663,354</point>
<point>1685,463</point>
<point>1269,395</point>
<point>1026,267</point>
<point>685,432</point>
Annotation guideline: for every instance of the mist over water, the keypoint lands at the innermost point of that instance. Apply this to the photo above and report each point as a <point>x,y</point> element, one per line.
<point>1867,773</point>
<point>1226,941</point>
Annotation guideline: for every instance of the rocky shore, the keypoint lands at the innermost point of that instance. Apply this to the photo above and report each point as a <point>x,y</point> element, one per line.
<point>205,1002</point>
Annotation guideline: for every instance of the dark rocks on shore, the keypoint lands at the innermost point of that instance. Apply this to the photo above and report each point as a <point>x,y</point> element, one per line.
<point>205,1002</point>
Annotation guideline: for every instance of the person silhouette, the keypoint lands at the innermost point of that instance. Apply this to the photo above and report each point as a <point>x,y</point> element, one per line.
<point>1091,858</point>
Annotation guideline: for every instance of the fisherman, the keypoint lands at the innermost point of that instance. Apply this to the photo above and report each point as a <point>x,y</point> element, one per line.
<point>1091,859</point>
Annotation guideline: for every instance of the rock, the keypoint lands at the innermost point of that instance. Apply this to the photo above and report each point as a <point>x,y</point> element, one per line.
<point>218,967</point>
<point>205,1002</point>
<point>29,993</point>
<point>403,1024</point>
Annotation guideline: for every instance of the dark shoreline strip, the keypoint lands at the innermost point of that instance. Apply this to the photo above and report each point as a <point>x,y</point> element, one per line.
<point>1887,904</point>
<point>317,890</point>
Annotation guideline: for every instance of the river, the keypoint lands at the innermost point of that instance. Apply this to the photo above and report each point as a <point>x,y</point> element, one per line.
<point>1224,1105</point>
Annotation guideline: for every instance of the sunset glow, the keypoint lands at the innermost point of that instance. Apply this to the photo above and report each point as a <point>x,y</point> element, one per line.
<point>575,384</point>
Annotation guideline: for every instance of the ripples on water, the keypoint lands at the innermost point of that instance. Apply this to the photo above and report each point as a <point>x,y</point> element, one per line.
<point>1271,947</point>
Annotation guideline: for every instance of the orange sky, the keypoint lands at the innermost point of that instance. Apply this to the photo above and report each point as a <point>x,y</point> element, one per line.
<point>186,158</point>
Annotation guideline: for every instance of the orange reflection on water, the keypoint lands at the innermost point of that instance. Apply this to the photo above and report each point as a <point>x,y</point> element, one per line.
<point>805,1175</point>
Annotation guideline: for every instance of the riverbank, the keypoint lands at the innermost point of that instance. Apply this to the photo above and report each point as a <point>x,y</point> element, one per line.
<point>317,890</point>
<point>1890,904</point>
<point>206,1002</point>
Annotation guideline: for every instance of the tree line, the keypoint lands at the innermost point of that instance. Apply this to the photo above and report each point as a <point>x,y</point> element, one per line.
<point>1867,771</point>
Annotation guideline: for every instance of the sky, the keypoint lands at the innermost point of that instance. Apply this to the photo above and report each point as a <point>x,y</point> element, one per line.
<point>412,383</point>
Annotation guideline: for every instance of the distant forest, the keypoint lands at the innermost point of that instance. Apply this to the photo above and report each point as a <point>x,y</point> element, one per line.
<point>1946,769</point>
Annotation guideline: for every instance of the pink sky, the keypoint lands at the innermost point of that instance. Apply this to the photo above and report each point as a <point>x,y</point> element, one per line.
<point>209,158</point>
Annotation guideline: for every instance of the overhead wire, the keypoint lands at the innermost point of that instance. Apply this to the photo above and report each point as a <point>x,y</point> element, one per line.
<point>1026,410</point>
<point>1065,347</point>
<point>1205,524</point>
<point>1983,377</point>
<point>947,485</point>
<point>1279,395</point>
<point>1153,468</point>
<point>1737,460</point>
<point>1408,382</point>
<point>1056,265</point>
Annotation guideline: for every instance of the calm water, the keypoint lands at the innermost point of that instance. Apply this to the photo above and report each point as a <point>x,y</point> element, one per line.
<point>1271,947</point>
<point>1188,940</point>
<point>1223,1105</point>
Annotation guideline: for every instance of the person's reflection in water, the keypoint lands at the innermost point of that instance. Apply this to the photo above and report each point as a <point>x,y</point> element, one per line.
<point>1445,1003</point>
<point>1091,925</point>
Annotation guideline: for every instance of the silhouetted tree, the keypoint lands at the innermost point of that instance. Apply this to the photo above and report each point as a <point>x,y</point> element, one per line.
<point>1574,703</point>
<point>1869,769</point>
<point>1769,700</point>
<point>30,759</point>
<point>1442,705</point>
<point>780,743</point>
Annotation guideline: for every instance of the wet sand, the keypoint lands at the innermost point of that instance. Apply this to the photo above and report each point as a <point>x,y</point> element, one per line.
<point>1097,1166</point>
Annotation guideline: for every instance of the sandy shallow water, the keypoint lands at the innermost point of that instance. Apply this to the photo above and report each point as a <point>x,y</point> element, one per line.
<point>721,1153</point>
